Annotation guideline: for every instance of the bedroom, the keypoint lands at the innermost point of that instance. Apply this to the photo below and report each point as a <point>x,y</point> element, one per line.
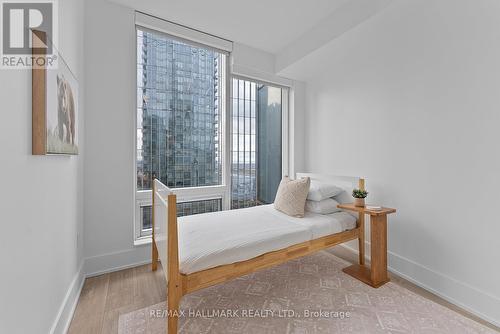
<point>401,93</point>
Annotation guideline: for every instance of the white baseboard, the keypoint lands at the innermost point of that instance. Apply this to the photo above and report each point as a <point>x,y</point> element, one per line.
<point>94,266</point>
<point>102,264</point>
<point>471,299</point>
<point>68,306</point>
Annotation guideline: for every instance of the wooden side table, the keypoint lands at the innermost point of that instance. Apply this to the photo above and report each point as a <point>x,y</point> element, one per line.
<point>376,275</point>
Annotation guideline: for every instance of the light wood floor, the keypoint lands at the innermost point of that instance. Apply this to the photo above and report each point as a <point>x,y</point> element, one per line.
<point>104,298</point>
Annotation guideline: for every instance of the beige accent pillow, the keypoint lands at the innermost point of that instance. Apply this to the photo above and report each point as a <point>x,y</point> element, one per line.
<point>291,196</point>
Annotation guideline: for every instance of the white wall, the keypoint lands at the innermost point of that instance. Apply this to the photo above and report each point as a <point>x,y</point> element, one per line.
<point>110,64</point>
<point>252,59</point>
<point>41,204</point>
<point>410,99</point>
<point>109,162</point>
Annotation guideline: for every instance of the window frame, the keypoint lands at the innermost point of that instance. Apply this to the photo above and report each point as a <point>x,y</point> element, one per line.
<point>285,117</point>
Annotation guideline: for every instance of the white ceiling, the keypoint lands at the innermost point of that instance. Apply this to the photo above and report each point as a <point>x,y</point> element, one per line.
<point>267,25</point>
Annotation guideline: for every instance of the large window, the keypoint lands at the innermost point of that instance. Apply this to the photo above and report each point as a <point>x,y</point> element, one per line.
<point>178,113</point>
<point>215,158</point>
<point>180,99</point>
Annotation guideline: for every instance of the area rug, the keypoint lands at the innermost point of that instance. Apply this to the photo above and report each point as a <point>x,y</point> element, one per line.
<point>310,295</point>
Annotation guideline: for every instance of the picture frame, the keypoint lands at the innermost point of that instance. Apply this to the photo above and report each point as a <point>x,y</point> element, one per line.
<point>54,103</point>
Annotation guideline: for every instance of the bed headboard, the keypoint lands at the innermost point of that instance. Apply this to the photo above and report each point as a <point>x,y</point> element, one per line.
<point>348,183</point>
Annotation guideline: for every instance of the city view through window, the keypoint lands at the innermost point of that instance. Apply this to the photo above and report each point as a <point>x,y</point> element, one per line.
<point>256,153</point>
<point>178,121</point>
<point>179,126</point>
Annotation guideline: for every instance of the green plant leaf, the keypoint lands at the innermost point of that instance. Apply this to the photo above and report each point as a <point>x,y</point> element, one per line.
<point>358,193</point>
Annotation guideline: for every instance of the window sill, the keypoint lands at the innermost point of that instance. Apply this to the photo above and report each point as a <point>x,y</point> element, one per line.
<point>143,241</point>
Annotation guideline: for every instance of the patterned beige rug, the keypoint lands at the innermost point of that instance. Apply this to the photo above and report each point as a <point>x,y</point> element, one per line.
<point>308,296</point>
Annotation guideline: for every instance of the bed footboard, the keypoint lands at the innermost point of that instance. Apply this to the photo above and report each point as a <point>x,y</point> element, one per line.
<point>165,247</point>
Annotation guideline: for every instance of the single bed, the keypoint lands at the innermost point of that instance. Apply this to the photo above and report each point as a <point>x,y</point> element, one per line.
<point>238,235</point>
<point>203,250</point>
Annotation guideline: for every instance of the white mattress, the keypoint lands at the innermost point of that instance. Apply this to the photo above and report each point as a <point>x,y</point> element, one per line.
<point>213,239</point>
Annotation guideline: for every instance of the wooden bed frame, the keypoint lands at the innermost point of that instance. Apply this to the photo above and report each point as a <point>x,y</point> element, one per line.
<point>165,248</point>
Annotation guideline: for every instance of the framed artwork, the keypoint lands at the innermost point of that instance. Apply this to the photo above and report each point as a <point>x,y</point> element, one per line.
<point>54,104</point>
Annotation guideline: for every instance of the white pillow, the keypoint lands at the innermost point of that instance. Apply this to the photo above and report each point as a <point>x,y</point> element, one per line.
<point>319,191</point>
<point>291,196</point>
<point>323,207</point>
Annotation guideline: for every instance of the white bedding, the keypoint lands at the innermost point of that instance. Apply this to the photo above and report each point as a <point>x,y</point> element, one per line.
<point>213,239</point>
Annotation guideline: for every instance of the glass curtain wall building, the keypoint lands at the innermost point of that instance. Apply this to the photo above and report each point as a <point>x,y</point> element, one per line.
<point>178,133</point>
<point>178,120</point>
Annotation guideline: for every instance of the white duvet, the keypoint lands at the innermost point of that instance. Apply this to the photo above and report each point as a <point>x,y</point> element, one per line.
<point>213,239</point>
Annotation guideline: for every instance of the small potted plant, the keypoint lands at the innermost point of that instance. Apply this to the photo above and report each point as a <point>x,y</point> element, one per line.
<point>359,197</point>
